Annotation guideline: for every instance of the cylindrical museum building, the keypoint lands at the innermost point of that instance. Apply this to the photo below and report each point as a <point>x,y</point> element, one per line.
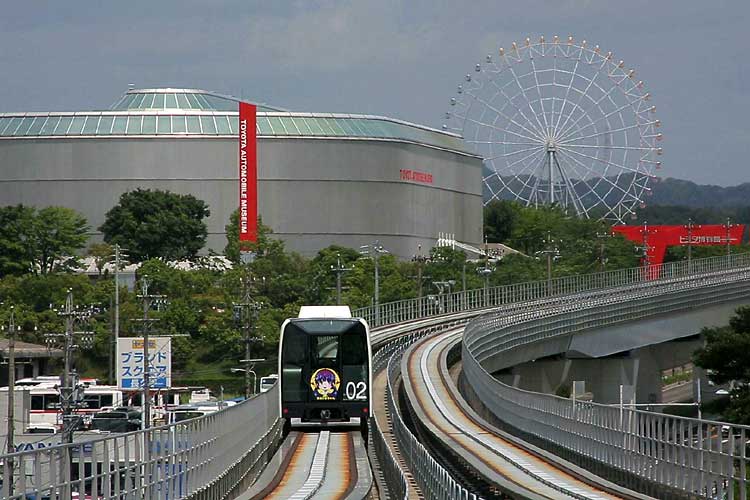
<point>323,178</point>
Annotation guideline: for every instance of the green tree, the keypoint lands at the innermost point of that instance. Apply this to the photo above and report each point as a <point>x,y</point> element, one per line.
<point>102,253</point>
<point>726,357</point>
<point>57,233</point>
<point>157,224</point>
<point>500,219</point>
<point>16,224</point>
<point>265,244</point>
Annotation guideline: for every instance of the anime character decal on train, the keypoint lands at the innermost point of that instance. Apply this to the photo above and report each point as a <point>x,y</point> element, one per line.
<point>325,384</point>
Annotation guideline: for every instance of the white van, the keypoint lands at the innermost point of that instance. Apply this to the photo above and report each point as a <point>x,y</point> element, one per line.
<point>267,382</point>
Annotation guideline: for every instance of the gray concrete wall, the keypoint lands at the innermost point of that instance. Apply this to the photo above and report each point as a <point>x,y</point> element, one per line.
<point>640,367</point>
<point>312,192</point>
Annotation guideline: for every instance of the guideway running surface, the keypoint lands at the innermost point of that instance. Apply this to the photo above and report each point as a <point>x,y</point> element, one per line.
<point>440,409</point>
<point>322,465</point>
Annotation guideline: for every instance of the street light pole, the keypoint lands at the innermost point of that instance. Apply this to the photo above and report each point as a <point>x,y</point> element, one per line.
<point>374,250</point>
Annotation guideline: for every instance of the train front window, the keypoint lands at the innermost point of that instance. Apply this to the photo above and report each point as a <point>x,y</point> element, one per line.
<point>293,360</point>
<point>326,348</point>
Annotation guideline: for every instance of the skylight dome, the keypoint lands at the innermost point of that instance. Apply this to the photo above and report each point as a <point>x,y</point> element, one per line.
<point>184,99</point>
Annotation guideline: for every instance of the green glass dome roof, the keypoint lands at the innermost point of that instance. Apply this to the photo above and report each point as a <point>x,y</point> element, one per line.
<point>168,112</point>
<point>185,99</point>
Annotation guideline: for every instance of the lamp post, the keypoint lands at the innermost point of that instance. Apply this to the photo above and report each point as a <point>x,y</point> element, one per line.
<point>248,370</point>
<point>373,251</point>
<point>485,272</point>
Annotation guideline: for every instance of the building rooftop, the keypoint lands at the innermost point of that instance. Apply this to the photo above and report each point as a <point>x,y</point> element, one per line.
<point>169,98</point>
<point>199,113</point>
<point>28,350</point>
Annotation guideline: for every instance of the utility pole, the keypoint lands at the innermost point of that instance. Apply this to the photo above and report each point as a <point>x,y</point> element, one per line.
<point>373,251</point>
<point>602,257</point>
<point>690,244</point>
<point>339,270</point>
<point>552,253</point>
<point>11,377</point>
<point>420,260</point>
<point>69,341</point>
<point>645,258</point>
<point>11,393</point>
<point>116,324</point>
<point>246,313</point>
<point>148,299</point>
<point>485,272</point>
<point>728,226</point>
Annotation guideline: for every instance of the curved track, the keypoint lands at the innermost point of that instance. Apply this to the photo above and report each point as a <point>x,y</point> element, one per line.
<point>497,457</point>
<point>316,465</point>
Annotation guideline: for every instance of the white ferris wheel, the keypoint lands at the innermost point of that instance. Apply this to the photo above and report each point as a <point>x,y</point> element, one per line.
<point>559,122</point>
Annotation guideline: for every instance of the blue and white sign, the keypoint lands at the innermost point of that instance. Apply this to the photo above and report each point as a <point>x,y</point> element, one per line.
<point>131,365</point>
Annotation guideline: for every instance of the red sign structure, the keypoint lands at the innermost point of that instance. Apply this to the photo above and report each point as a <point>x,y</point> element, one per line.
<point>656,239</point>
<point>248,174</point>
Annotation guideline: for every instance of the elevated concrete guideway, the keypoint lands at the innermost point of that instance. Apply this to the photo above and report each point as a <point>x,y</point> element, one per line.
<point>632,354</point>
<point>601,342</point>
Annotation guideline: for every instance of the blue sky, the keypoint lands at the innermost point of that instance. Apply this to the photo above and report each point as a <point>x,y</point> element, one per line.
<point>395,58</point>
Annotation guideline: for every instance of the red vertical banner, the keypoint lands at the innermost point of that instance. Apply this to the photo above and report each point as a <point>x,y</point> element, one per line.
<point>248,174</point>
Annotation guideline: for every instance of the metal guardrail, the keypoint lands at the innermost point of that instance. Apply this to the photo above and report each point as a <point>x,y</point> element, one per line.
<point>201,458</point>
<point>417,308</point>
<point>395,480</point>
<point>434,480</point>
<point>697,457</point>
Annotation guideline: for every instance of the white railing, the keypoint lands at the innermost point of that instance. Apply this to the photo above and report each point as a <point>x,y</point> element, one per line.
<point>434,481</point>
<point>207,457</point>
<point>698,457</point>
<point>433,305</point>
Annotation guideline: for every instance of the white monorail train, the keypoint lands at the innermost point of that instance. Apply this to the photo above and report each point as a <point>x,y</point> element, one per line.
<point>325,368</point>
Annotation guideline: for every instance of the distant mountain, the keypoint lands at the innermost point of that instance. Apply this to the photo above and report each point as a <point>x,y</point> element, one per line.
<point>669,191</point>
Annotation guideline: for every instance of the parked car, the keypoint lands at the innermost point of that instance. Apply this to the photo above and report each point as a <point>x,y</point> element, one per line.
<point>117,420</point>
<point>41,429</point>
